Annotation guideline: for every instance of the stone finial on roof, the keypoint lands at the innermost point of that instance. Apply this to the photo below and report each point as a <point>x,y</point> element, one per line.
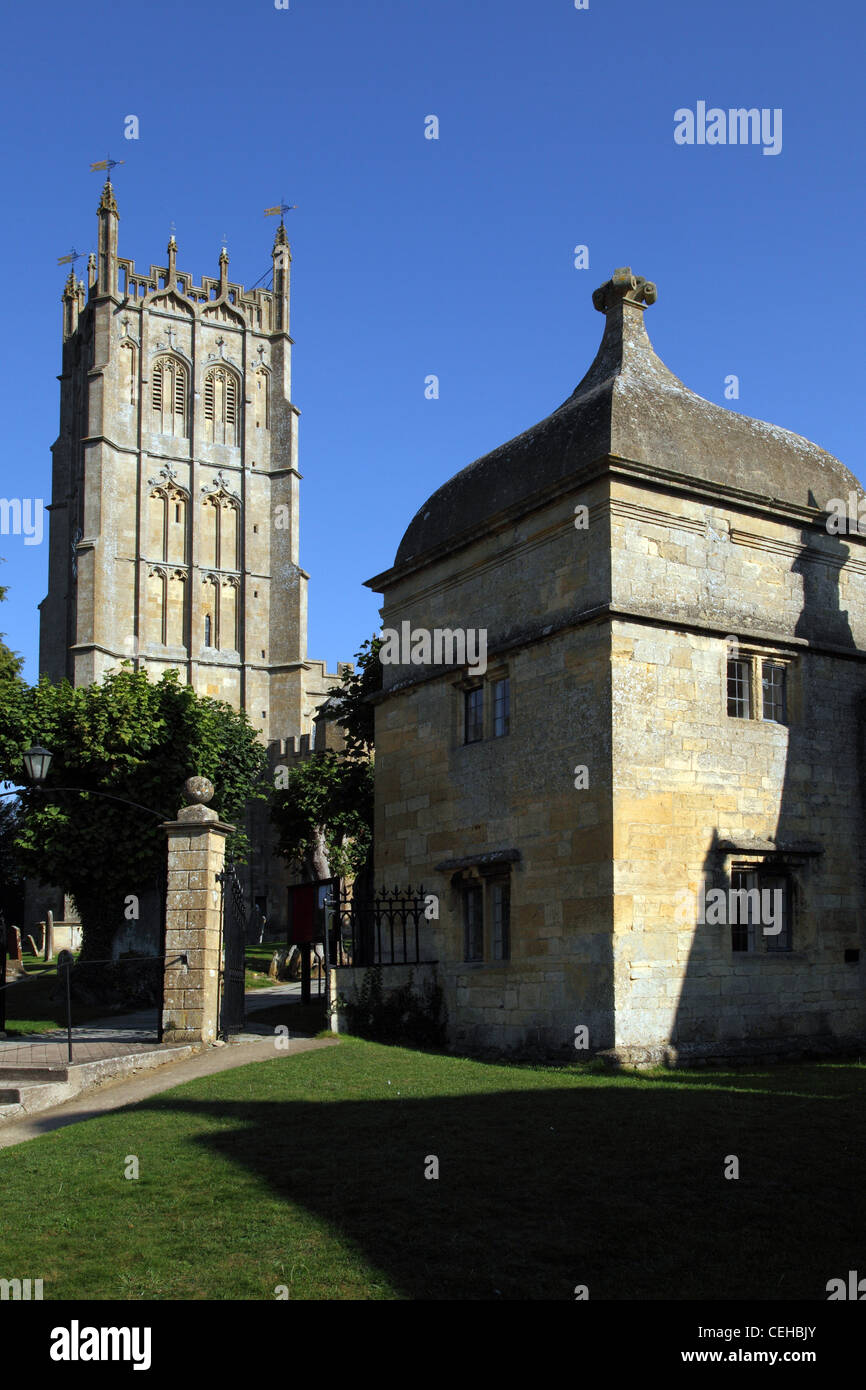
<point>282,237</point>
<point>624,286</point>
<point>107,202</point>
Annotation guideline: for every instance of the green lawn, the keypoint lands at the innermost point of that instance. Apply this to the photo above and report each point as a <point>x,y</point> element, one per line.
<point>257,959</point>
<point>308,1172</point>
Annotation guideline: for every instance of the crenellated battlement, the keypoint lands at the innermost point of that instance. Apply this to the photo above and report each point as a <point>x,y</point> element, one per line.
<point>136,286</point>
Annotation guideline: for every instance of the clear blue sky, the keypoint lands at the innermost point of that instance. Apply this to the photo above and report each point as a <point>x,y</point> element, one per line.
<point>453,257</point>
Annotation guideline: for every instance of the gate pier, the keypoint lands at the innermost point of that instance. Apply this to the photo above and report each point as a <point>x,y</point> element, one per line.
<point>196,859</point>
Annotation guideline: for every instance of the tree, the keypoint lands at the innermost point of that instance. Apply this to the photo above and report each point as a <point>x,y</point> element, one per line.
<point>349,704</point>
<point>323,813</point>
<point>11,882</point>
<point>135,739</point>
<point>326,805</point>
<point>10,662</point>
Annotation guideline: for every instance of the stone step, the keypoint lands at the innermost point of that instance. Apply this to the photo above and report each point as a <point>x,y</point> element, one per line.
<point>38,1096</point>
<point>33,1073</point>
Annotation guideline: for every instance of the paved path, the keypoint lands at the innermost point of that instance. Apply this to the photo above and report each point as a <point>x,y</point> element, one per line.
<point>91,1042</point>
<point>147,1084</point>
<point>119,1036</point>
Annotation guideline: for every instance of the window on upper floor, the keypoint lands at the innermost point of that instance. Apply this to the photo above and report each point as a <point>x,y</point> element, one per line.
<point>486,708</point>
<point>473,714</point>
<point>757,688</point>
<point>169,395</point>
<point>501,707</point>
<point>221,406</point>
<point>773,692</point>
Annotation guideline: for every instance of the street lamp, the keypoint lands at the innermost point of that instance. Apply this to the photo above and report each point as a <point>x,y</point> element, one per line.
<point>36,764</point>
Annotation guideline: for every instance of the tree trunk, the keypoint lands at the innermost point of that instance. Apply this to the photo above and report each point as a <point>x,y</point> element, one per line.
<point>321,867</point>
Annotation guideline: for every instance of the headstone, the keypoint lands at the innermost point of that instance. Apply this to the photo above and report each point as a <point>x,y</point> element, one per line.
<point>14,966</point>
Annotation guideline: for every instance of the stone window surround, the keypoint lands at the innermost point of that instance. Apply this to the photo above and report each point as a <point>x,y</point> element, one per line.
<point>794,861</point>
<point>754,656</point>
<point>468,682</point>
<point>761,868</point>
<point>482,871</point>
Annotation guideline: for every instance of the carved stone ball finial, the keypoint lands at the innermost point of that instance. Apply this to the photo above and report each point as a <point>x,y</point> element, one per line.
<point>624,287</point>
<point>198,790</point>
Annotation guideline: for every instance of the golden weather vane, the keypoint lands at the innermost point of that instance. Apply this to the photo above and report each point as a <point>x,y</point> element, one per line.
<point>71,258</point>
<point>281,210</point>
<point>107,164</point>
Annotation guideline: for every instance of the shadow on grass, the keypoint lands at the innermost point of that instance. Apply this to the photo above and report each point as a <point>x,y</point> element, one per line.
<point>615,1185</point>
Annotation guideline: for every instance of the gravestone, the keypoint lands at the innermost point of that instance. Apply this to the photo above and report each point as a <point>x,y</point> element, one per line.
<point>14,965</point>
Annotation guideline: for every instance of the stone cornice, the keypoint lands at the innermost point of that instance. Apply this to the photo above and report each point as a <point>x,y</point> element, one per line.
<point>722,496</point>
<point>606,612</point>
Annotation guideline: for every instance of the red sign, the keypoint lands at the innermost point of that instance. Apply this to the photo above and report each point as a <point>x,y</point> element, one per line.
<point>302,905</point>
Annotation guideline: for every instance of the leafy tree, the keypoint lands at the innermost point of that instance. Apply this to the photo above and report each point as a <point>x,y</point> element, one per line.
<point>132,738</point>
<point>10,662</point>
<point>324,813</point>
<point>11,882</point>
<point>349,703</point>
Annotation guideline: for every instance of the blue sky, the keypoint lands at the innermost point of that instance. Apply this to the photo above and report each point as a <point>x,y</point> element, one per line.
<point>453,256</point>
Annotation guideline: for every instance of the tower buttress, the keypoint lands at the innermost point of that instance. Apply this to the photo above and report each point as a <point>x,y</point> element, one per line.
<point>107,254</point>
<point>282,258</point>
<point>70,306</point>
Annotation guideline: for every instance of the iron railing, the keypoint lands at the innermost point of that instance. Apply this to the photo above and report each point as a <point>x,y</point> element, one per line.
<point>382,930</point>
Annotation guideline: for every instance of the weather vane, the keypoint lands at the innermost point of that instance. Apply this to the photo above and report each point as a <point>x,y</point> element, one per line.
<point>107,164</point>
<point>281,211</point>
<point>71,258</point>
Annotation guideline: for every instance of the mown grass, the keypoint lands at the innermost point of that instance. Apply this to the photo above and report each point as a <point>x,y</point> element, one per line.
<point>308,1172</point>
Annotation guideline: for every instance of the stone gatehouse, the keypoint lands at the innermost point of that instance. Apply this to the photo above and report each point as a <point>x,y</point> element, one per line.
<point>662,742</point>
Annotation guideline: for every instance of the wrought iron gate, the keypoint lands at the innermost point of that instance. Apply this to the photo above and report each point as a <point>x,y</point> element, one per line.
<point>234,938</point>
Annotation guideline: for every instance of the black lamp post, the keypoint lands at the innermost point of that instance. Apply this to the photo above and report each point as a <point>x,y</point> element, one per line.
<point>36,764</point>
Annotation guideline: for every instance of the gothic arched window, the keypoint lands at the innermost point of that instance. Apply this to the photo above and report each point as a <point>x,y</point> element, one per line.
<point>166,524</point>
<point>221,406</point>
<point>221,612</point>
<point>220,532</point>
<point>156,607</point>
<point>169,394</point>
<point>166,607</point>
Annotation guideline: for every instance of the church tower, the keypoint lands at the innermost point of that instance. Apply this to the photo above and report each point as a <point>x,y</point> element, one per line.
<point>174,506</point>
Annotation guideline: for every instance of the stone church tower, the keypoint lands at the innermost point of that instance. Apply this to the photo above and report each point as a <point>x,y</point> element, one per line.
<point>174,500</point>
<point>174,506</point>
